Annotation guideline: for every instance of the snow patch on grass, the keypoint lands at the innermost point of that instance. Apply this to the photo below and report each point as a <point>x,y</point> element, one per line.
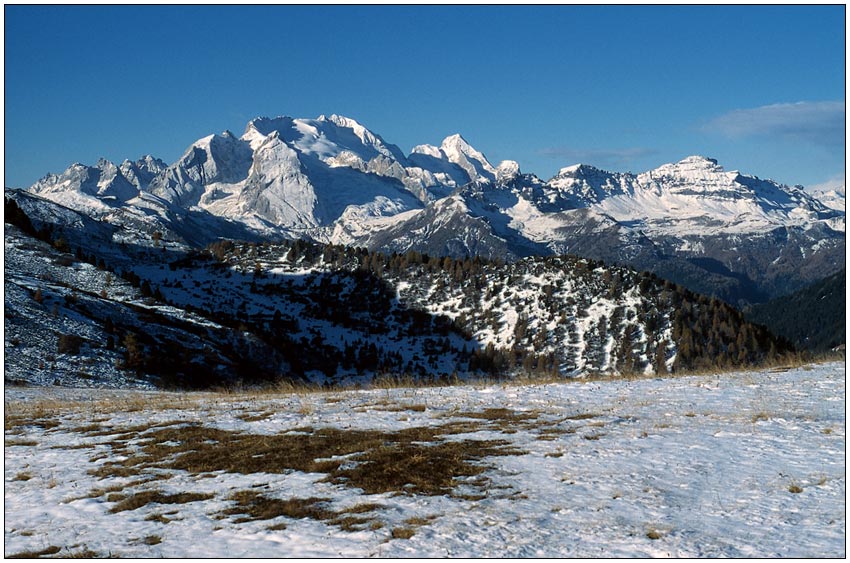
<point>747,464</point>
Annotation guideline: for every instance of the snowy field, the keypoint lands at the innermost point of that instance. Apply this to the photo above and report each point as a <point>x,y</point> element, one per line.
<point>748,464</point>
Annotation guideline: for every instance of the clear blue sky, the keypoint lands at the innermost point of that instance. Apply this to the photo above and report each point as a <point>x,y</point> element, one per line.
<point>760,88</point>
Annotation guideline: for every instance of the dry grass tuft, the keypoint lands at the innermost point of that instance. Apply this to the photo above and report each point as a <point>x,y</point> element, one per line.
<point>255,506</point>
<point>161,518</point>
<point>19,442</point>
<point>254,417</point>
<point>22,476</point>
<point>349,523</point>
<point>503,420</point>
<point>402,533</point>
<point>582,416</point>
<point>421,520</point>
<point>362,508</point>
<point>84,553</point>
<point>52,550</point>
<point>760,416</point>
<point>399,408</point>
<point>19,423</point>
<point>251,506</point>
<point>143,498</point>
<point>500,415</point>
<point>113,469</point>
<point>92,427</point>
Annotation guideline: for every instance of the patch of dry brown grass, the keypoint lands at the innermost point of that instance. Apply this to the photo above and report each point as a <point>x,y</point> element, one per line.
<point>421,520</point>
<point>254,416</point>
<point>16,424</point>
<point>403,533</point>
<point>399,407</point>
<point>84,553</point>
<point>51,550</point>
<point>500,415</point>
<point>161,518</point>
<point>19,442</point>
<point>115,469</point>
<point>582,416</point>
<point>252,505</point>
<point>413,460</point>
<point>139,499</point>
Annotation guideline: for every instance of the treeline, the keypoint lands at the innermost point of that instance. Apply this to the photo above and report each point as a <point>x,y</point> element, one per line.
<point>671,328</point>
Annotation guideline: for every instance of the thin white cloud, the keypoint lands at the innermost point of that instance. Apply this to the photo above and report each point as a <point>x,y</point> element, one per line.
<point>819,123</point>
<point>599,157</point>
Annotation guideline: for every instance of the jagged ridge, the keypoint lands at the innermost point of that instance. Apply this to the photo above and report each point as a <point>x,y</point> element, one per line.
<point>332,180</point>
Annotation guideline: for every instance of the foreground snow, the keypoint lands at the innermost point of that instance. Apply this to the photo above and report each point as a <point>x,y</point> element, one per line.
<point>741,465</point>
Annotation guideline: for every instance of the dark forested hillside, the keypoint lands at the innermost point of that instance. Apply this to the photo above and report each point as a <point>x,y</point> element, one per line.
<point>812,318</point>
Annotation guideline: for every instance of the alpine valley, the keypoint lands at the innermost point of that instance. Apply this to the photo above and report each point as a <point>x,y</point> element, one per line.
<point>313,249</point>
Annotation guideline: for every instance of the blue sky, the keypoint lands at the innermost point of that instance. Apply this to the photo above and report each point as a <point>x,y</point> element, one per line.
<point>760,88</point>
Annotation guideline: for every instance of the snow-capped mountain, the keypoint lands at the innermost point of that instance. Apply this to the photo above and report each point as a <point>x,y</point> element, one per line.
<point>88,188</point>
<point>331,179</point>
<point>142,172</point>
<point>832,197</point>
<point>693,196</point>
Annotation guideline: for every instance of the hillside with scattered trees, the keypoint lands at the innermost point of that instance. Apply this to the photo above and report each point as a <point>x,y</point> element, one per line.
<point>261,312</point>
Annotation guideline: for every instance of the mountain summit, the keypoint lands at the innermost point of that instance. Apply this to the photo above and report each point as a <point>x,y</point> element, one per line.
<point>332,180</point>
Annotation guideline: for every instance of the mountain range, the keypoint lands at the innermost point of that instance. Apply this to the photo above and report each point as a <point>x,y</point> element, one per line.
<point>312,249</point>
<point>331,180</point>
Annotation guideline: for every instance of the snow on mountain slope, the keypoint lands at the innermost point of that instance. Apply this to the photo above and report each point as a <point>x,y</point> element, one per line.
<point>292,186</point>
<point>278,189</point>
<point>692,196</point>
<point>324,137</point>
<point>94,189</point>
<point>289,175</point>
<point>142,172</point>
<point>473,162</point>
<point>332,179</point>
<point>834,198</point>
<point>434,161</point>
<point>207,163</point>
<point>303,173</point>
<point>582,185</point>
<point>506,171</point>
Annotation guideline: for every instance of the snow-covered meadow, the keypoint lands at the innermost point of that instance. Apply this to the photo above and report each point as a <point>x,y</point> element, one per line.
<point>745,464</point>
